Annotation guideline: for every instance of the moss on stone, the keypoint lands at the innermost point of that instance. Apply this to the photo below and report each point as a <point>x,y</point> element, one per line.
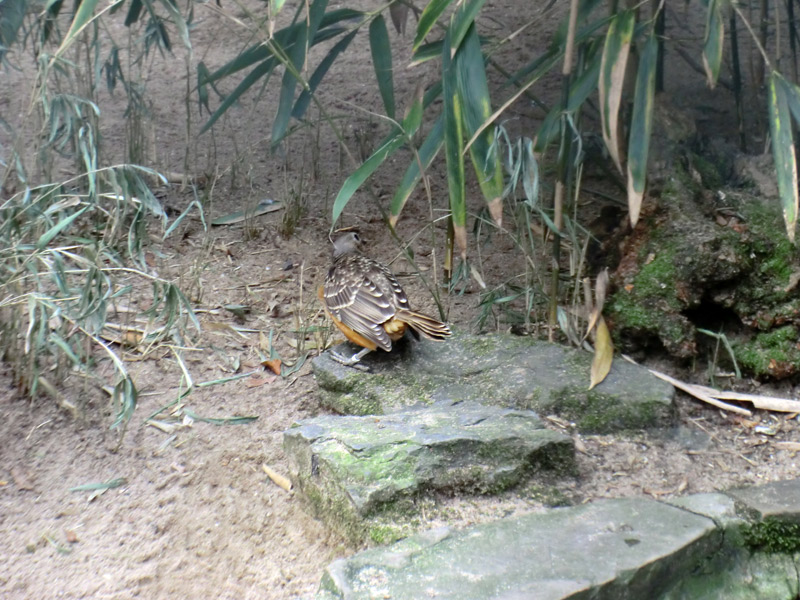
<point>593,412</point>
<point>773,535</point>
<point>770,353</point>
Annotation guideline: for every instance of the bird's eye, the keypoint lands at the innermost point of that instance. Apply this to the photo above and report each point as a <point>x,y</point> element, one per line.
<point>356,237</point>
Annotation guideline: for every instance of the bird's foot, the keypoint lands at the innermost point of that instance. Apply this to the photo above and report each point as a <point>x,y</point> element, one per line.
<point>350,361</point>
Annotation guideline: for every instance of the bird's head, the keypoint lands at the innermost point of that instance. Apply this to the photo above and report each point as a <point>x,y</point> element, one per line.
<point>347,244</point>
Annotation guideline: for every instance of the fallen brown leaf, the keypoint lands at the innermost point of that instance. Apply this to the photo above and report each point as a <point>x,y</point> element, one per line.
<point>274,364</point>
<point>254,381</point>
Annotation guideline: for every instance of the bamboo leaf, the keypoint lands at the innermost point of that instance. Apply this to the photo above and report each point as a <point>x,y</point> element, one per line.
<point>473,92</point>
<point>427,20</point>
<point>303,101</point>
<point>83,16</point>
<point>641,127</point>
<point>603,353</point>
<point>297,55</point>
<point>178,21</point>
<point>584,84</point>
<point>408,128</point>
<point>427,152</point>
<point>48,235</point>
<point>360,175</point>
<point>262,70</point>
<point>124,397</point>
<point>463,19</point>
<point>612,76</point>
<point>382,61</point>
<point>783,152</point>
<point>714,42</point>
<point>792,93</point>
<point>454,147</point>
<point>243,420</point>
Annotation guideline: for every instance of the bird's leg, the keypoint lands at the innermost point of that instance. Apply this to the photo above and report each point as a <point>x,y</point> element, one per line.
<point>351,361</point>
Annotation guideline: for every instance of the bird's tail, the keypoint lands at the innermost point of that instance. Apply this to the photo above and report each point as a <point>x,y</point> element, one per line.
<point>428,326</point>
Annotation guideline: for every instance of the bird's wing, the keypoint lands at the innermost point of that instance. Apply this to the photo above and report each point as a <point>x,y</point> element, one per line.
<point>359,302</point>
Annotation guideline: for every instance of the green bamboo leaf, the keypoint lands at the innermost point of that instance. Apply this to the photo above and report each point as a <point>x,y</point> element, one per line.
<point>792,93</point>
<point>427,152</point>
<point>783,152</point>
<point>134,10</point>
<point>714,42</point>
<point>426,52</point>
<point>48,235</point>
<point>473,92</point>
<point>66,349</point>
<point>178,21</point>
<point>612,75</point>
<point>297,58</point>
<point>408,128</point>
<point>641,126</point>
<point>427,20</point>
<point>360,175</point>
<point>124,397</point>
<point>454,146</point>
<point>243,420</point>
<point>463,19</point>
<point>83,16</point>
<point>276,6</point>
<point>382,61</point>
<point>262,56</point>
<point>581,88</point>
<point>304,100</point>
<point>263,70</point>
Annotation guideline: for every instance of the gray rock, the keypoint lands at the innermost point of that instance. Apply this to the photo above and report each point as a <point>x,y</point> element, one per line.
<point>778,500</point>
<point>714,505</point>
<point>740,575</point>
<point>496,369</point>
<point>620,549</point>
<point>352,467</point>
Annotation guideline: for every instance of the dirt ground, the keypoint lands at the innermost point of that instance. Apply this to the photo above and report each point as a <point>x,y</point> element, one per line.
<point>196,516</point>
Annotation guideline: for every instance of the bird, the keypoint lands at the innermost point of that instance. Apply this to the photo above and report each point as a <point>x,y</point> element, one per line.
<point>367,304</point>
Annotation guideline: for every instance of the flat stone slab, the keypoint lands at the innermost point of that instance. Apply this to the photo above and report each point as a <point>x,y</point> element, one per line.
<point>777,500</point>
<point>503,370</point>
<point>350,467</point>
<point>627,548</point>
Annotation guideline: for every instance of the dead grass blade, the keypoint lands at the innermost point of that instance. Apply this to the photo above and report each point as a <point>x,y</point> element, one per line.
<point>697,392</point>
<point>761,402</point>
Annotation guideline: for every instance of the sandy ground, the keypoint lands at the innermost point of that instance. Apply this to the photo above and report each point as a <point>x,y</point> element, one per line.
<point>194,514</point>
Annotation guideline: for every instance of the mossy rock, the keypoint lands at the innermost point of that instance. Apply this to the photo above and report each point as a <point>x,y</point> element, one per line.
<point>500,370</point>
<point>719,262</point>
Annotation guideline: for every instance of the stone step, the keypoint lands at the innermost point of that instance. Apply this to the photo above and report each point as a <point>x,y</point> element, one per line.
<point>739,545</point>
<point>614,549</point>
<point>351,468</point>
<point>503,370</point>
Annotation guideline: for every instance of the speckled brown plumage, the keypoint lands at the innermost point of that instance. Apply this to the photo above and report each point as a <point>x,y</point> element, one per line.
<point>366,302</point>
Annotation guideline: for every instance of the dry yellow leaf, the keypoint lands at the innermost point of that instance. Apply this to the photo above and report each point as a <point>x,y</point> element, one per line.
<point>603,353</point>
